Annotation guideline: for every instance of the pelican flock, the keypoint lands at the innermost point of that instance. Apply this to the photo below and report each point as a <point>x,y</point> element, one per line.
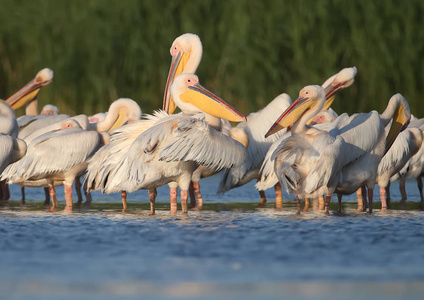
<point>302,146</point>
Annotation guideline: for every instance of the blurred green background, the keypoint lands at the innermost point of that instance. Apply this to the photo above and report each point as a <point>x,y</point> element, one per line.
<point>101,50</point>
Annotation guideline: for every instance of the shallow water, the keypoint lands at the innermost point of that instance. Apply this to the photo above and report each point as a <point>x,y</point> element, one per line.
<point>231,250</point>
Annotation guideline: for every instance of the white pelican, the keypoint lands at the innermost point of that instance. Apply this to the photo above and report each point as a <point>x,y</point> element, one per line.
<point>406,145</point>
<point>55,156</point>
<point>74,164</point>
<point>412,169</point>
<point>11,148</point>
<point>372,146</point>
<point>186,52</point>
<point>311,161</point>
<point>171,150</point>
<point>28,94</point>
<point>265,171</point>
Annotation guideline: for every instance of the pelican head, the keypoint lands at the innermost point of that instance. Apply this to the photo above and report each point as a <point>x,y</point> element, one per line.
<point>338,82</point>
<point>30,91</point>
<point>311,97</point>
<point>125,109</point>
<point>186,52</point>
<point>50,109</point>
<point>190,96</point>
<point>70,123</point>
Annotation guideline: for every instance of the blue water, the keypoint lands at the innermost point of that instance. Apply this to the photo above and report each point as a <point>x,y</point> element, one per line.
<point>230,250</point>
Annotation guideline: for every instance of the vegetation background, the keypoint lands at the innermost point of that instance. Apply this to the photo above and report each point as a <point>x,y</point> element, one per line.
<point>101,50</point>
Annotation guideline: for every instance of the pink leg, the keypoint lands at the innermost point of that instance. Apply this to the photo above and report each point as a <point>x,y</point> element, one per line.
<point>192,196</point>
<point>315,203</point>
<point>196,187</point>
<point>382,199</point>
<point>420,189</point>
<point>173,200</point>
<point>327,204</point>
<point>68,197</point>
<point>263,198</point>
<point>53,197</point>
<point>321,202</point>
<point>359,200</point>
<point>124,200</point>
<point>307,204</point>
<point>403,193</point>
<point>370,199</point>
<point>152,197</point>
<point>278,196</point>
<point>184,197</point>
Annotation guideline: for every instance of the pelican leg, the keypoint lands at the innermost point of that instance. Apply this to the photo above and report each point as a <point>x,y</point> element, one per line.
<point>370,199</point>
<point>124,200</point>
<point>152,197</point>
<point>382,199</point>
<point>196,187</point>
<point>360,200</point>
<point>78,190</point>
<point>420,189</point>
<point>5,189</point>
<point>263,199</point>
<point>364,198</point>
<point>173,200</point>
<point>53,197</point>
<point>68,197</point>
<point>298,205</point>
<point>388,198</point>
<point>23,194</point>
<point>184,197</point>
<point>403,193</point>
<point>192,196</point>
<point>47,195</point>
<point>339,199</point>
<point>327,204</point>
<point>278,196</point>
<point>307,204</point>
<point>315,203</point>
<point>321,202</point>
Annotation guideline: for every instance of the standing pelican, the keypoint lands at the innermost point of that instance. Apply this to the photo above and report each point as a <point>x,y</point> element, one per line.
<point>406,145</point>
<point>366,134</point>
<point>171,150</point>
<point>265,171</point>
<point>186,52</point>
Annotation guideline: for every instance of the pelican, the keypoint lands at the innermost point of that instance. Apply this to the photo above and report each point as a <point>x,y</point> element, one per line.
<point>170,151</point>
<point>11,148</point>
<point>186,52</point>
<point>80,146</point>
<point>412,169</point>
<point>265,171</point>
<point>404,148</point>
<point>28,94</point>
<point>253,132</point>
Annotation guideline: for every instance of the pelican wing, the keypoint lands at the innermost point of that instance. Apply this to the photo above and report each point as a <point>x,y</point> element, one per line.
<point>109,156</point>
<point>6,146</point>
<point>53,152</point>
<point>195,140</point>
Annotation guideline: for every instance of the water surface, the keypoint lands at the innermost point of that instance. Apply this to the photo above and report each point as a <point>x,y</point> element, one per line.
<point>232,249</point>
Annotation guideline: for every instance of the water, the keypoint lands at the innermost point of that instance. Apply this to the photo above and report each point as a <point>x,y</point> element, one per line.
<point>230,250</point>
